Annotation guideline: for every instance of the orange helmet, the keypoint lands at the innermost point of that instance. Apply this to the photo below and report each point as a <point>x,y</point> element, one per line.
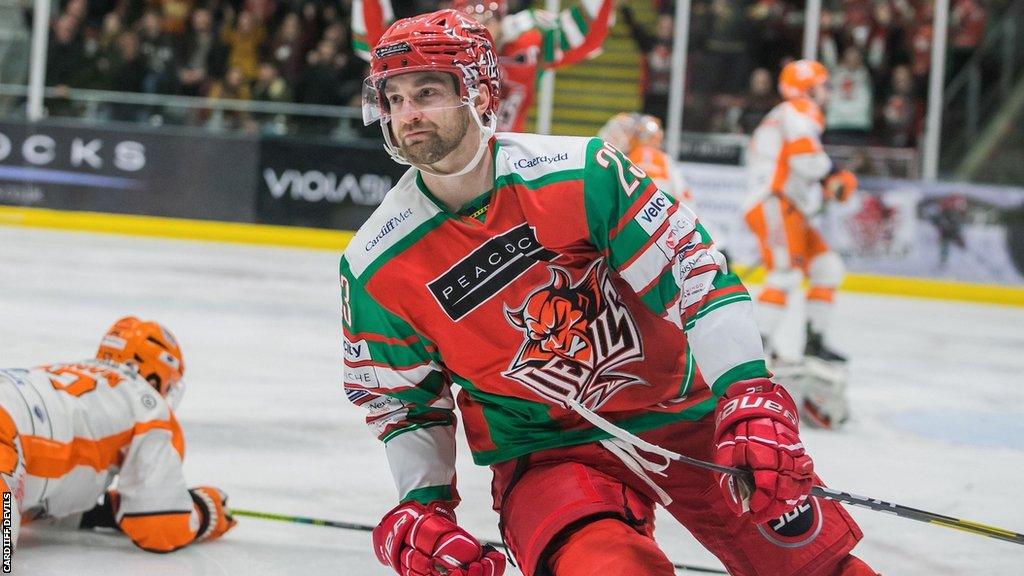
<point>647,131</point>
<point>618,131</point>
<point>800,76</point>
<point>149,348</point>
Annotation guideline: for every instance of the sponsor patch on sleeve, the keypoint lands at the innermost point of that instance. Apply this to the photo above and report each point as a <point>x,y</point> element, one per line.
<point>653,213</point>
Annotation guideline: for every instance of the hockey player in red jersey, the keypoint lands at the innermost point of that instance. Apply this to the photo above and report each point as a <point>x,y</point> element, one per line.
<point>67,431</point>
<point>527,43</point>
<point>551,280</point>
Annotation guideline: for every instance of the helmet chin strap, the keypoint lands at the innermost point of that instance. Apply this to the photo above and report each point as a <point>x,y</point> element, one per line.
<point>485,136</point>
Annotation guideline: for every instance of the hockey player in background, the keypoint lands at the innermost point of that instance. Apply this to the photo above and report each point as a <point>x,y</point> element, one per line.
<point>527,43</point>
<point>573,303</point>
<point>640,138</point>
<point>791,179</point>
<point>68,431</point>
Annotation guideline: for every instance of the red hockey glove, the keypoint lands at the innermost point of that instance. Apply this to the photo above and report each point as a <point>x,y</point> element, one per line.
<point>215,517</point>
<point>418,540</point>
<point>840,185</point>
<point>757,428</point>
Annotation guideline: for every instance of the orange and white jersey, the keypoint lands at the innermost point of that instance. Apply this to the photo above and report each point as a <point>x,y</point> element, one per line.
<point>785,156</point>
<point>80,425</point>
<point>662,170</point>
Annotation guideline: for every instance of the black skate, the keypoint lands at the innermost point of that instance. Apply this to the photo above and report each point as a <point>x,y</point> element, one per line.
<point>816,348</point>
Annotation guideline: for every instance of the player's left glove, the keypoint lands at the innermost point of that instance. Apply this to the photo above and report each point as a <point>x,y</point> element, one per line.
<point>103,514</point>
<point>418,540</point>
<point>840,185</point>
<point>215,517</point>
<point>757,428</point>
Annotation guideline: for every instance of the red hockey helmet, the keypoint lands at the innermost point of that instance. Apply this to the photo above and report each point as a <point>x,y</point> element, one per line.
<point>149,348</point>
<point>800,76</point>
<point>443,41</point>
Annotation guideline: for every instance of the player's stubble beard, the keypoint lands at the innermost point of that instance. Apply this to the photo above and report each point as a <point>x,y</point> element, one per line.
<point>445,138</point>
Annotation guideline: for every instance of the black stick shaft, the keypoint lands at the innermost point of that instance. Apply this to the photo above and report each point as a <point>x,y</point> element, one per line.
<point>368,528</point>
<point>968,526</point>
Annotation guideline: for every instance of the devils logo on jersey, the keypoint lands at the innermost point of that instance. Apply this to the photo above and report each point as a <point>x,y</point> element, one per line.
<point>576,334</point>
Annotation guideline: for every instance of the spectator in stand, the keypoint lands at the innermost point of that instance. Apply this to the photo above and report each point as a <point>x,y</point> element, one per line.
<point>309,25</point>
<point>174,16</point>
<point>287,50</point>
<point>321,83</point>
<point>64,55</point>
<point>921,48</point>
<point>128,67</point>
<point>779,32</point>
<point>243,39</point>
<point>656,61</point>
<point>270,86</point>
<point>761,98</point>
<point>849,115</point>
<point>100,49</point>
<point>727,48</point>
<point>885,46</point>
<point>901,113</point>
<point>78,10</point>
<point>967,21</point>
<point>201,55</point>
<point>234,86</point>
<point>856,23</point>
<point>263,10</point>
<point>64,63</point>
<point>831,27</point>
<point>158,51</point>
<point>128,71</point>
<point>110,32</point>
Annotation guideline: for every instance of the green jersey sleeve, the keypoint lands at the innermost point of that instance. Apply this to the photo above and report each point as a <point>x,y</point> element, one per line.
<point>659,247</point>
<point>394,373</point>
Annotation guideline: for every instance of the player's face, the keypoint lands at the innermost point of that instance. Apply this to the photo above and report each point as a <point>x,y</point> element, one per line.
<point>820,94</point>
<point>428,117</point>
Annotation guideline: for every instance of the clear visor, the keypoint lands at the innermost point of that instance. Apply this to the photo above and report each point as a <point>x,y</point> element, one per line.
<point>371,105</point>
<point>377,106</point>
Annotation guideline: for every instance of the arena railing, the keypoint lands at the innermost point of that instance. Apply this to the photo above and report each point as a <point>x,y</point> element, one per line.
<point>212,114</point>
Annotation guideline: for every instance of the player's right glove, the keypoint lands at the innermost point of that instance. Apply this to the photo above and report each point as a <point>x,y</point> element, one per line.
<point>215,517</point>
<point>757,428</point>
<point>840,185</point>
<point>418,540</point>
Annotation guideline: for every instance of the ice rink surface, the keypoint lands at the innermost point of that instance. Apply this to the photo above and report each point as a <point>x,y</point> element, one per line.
<point>937,393</point>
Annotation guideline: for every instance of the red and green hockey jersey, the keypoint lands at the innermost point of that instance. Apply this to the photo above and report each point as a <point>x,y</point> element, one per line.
<point>581,280</point>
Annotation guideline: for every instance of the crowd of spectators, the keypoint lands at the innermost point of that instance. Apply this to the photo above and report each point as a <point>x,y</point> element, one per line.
<point>878,53</point>
<point>262,50</point>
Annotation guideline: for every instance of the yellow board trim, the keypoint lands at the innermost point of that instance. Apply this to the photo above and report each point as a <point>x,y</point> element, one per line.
<point>336,240</point>
<point>177,228</point>
<point>916,287</point>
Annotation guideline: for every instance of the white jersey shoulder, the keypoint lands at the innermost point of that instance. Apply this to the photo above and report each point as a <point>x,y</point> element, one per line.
<point>533,156</point>
<point>800,119</point>
<point>403,209</point>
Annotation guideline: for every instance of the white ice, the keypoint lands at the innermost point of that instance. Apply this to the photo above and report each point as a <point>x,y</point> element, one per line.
<point>937,393</point>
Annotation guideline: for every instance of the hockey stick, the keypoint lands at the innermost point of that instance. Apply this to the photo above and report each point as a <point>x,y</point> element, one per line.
<point>747,480</point>
<point>368,528</point>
